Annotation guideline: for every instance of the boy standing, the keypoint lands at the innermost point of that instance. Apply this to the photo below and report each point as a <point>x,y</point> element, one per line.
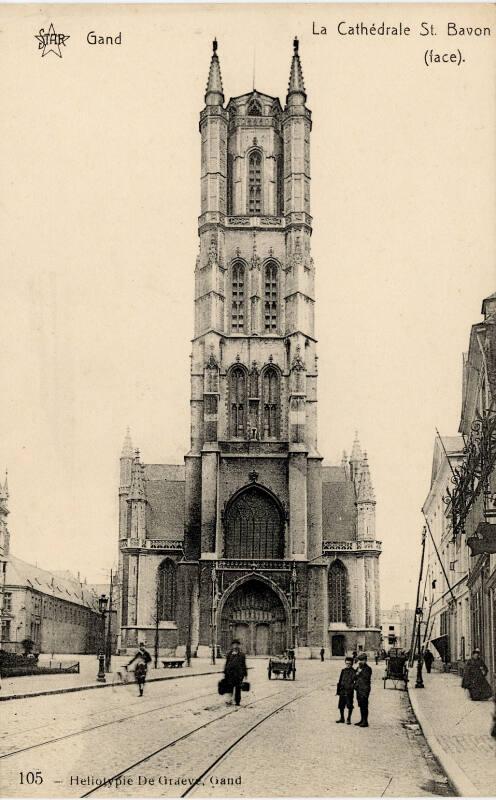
<point>345,689</point>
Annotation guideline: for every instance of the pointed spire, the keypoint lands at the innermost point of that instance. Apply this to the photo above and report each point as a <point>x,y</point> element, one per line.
<point>214,94</point>
<point>356,459</point>
<point>296,84</point>
<point>356,451</point>
<point>137,490</point>
<point>127,447</point>
<point>365,489</point>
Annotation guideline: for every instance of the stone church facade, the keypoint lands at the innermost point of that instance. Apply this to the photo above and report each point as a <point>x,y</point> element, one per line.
<point>254,537</point>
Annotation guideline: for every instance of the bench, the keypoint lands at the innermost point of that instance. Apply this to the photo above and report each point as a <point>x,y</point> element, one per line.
<point>173,662</point>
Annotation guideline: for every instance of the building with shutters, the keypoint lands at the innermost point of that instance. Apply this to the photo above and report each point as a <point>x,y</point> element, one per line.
<point>253,537</point>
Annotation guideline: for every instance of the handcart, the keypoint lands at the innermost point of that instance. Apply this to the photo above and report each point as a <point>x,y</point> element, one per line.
<point>282,665</point>
<point>396,667</point>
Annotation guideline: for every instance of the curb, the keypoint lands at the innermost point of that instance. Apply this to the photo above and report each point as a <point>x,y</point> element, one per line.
<point>101,686</point>
<point>457,777</point>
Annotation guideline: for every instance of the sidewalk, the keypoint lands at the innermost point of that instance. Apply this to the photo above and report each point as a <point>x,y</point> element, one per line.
<point>457,730</point>
<point>35,685</point>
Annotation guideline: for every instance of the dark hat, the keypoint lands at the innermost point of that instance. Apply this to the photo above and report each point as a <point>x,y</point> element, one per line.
<point>362,656</point>
<point>235,641</point>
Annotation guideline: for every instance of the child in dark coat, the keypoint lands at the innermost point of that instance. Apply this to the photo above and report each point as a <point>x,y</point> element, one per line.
<point>345,689</point>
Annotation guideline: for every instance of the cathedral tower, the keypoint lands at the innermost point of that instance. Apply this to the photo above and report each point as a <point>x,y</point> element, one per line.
<point>254,538</point>
<point>253,368</point>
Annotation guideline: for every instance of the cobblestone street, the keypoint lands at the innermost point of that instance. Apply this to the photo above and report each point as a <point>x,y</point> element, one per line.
<point>283,740</point>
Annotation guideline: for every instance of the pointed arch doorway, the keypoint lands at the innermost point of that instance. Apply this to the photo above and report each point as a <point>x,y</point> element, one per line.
<point>254,614</point>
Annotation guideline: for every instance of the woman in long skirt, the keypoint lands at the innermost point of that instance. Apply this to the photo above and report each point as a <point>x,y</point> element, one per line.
<point>474,678</point>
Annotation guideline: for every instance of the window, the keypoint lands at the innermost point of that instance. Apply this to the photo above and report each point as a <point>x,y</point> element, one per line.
<point>237,400</point>
<point>270,389</point>
<point>254,109</point>
<point>167,590</point>
<point>270,297</point>
<point>7,601</point>
<point>255,183</point>
<point>391,627</point>
<point>337,593</point>
<point>254,526</point>
<point>238,298</point>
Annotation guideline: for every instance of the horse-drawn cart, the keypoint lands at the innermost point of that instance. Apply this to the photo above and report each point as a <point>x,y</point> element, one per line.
<point>282,665</point>
<point>396,667</point>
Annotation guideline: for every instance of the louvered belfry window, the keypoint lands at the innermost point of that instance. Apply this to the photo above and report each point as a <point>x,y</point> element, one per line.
<point>270,297</point>
<point>255,183</point>
<point>270,387</point>
<point>238,298</point>
<point>237,401</point>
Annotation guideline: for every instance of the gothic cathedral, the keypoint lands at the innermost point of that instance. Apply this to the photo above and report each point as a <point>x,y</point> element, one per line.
<point>254,537</point>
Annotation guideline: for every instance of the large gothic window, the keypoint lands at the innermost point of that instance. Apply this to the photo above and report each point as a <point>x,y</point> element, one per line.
<point>255,109</point>
<point>271,391</point>
<point>338,583</point>
<point>255,183</point>
<point>167,590</point>
<point>237,402</point>
<point>270,297</point>
<point>254,527</point>
<point>238,298</point>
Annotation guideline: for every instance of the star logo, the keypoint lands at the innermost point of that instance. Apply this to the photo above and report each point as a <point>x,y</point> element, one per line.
<point>50,42</point>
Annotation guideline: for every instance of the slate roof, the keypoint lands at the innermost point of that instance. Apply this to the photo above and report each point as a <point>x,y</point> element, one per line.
<point>60,584</point>
<point>338,505</point>
<point>164,486</point>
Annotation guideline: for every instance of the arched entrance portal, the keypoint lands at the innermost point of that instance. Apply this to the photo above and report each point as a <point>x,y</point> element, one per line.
<point>255,615</point>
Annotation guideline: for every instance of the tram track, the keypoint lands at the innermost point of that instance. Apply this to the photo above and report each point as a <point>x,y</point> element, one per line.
<point>71,735</point>
<point>175,741</point>
<point>243,736</point>
<point>199,728</point>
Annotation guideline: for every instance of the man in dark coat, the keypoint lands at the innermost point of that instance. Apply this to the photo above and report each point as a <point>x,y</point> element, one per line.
<point>322,654</point>
<point>428,659</point>
<point>235,670</point>
<point>345,689</point>
<point>363,680</point>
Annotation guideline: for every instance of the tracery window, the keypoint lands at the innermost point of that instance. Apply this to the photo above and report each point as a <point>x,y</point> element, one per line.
<point>254,527</point>
<point>270,389</point>
<point>254,109</point>
<point>166,605</point>
<point>238,298</point>
<point>270,297</point>
<point>338,584</point>
<point>237,402</point>
<point>255,183</point>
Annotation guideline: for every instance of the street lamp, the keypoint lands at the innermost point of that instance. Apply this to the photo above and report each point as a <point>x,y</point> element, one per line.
<point>102,607</point>
<point>419,683</point>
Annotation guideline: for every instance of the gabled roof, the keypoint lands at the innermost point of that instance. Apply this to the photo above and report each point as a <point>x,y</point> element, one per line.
<point>338,505</point>
<point>60,584</point>
<point>164,489</point>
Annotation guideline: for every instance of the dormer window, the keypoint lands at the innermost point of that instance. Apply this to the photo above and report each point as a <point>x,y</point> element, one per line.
<point>255,109</point>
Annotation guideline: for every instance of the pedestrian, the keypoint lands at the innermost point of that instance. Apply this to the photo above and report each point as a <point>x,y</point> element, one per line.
<point>377,656</point>
<point>428,659</point>
<point>345,689</point>
<point>363,679</point>
<point>474,677</point>
<point>322,653</point>
<point>188,654</point>
<point>143,658</point>
<point>235,671</point>
<point>355,657</point>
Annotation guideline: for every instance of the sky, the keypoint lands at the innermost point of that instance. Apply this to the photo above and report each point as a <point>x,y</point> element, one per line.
<point>100,198</point>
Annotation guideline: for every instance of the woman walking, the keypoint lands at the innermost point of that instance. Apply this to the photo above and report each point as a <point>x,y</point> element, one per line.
<point>474,678</point>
